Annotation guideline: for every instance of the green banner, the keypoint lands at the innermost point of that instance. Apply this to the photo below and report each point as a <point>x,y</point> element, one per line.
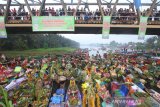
<point>53,23</point>
<point>3,33</point>
<point>106,27</point>
<point>142,27</point>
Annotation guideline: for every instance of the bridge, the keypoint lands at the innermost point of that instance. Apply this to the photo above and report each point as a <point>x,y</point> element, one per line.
<point>120,22</point>
<point>86,29</point>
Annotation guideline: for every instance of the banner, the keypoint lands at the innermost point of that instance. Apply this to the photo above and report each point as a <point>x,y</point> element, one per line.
<point>106,27</point>
<point>53,23</point>
<point>142,27</point>
<point>3,33</point>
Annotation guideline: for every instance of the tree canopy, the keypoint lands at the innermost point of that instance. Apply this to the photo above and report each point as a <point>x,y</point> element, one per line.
<point>34,41</point>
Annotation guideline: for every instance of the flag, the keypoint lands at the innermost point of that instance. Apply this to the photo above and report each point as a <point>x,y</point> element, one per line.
<point>137,3</point>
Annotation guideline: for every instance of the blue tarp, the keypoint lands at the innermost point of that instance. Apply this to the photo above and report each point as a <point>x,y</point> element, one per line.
<point>124,90</point>
<point>56,99</point>
<point>60,91</point>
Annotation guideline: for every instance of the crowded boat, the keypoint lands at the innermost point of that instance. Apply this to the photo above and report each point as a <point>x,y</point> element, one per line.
<point>80,80</point>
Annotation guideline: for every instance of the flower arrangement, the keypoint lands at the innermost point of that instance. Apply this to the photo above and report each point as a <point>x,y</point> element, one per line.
<point>88,93</point>
<point>104,93</point>
<point>73,93</point>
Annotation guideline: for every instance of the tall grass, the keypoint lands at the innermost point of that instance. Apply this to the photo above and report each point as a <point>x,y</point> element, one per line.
<point>40,51</point>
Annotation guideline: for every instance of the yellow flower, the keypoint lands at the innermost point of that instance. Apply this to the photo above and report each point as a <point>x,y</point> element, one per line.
<point>85,85</point>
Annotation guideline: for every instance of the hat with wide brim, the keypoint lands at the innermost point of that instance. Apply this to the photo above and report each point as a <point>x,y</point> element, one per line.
<point>62,78</point>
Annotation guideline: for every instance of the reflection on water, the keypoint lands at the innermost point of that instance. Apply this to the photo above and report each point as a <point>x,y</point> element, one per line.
<point>93,49</point>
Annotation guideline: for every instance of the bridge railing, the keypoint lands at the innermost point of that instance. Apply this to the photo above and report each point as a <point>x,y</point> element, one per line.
<point>19,20</point>
<point>131,20</point>
<point>154,21</point>
<point>128,20</point>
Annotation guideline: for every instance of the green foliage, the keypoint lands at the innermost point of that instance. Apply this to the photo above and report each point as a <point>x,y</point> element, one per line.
<point>39,52</point>
<point>113,44</point>
<point>35,41</point>
<point>2,104</point>
<point>5,102</point>
<point>140,46</point>
<point>45,45</point>
<point>152,43</point>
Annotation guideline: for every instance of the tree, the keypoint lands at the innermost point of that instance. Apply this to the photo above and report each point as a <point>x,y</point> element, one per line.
<point>34,41</point>
<point>113,44</point>
<point>150,43</point>
<point>140,46</point>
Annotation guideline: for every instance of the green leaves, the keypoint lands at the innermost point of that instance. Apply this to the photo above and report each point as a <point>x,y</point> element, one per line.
<point>6,102</point>
<point>23,42</point>
<point>10,104</point>
<point>2,104</point>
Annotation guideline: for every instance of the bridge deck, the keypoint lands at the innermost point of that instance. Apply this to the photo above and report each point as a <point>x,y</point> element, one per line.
<point>89,25</point>
<point>86,29</point>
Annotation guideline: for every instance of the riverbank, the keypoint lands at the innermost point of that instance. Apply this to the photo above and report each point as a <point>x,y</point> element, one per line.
<point>40,51</point>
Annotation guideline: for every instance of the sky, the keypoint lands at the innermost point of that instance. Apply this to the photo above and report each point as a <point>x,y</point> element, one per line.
<point>97,38</point>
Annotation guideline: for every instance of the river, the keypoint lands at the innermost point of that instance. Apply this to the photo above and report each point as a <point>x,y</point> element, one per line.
<point>93,49</point>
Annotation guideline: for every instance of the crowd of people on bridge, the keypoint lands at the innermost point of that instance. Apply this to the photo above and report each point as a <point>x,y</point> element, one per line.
<point>80,79</point>
<point>84,15</point>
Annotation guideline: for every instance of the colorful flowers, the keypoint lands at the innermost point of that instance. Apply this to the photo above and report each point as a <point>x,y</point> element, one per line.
<point>85,85</point>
